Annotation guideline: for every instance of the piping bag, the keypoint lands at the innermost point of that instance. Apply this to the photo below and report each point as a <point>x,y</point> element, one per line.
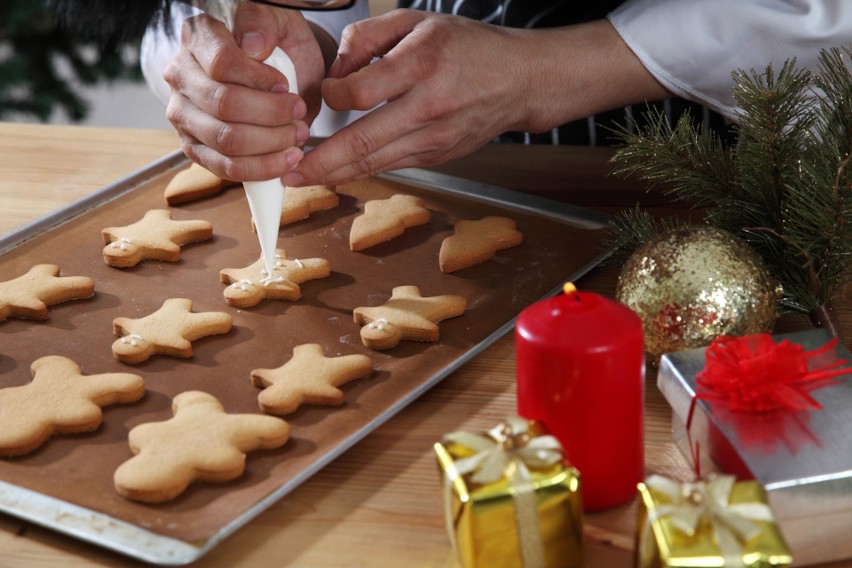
<point>266,198</point>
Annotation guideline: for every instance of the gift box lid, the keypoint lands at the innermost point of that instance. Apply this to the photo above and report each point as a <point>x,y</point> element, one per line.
<point>804,462</point>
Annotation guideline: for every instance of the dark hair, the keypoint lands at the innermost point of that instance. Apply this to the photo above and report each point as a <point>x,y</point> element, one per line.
<point>111,20</point>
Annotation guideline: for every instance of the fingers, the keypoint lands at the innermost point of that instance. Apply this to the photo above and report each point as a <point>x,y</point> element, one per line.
<point>362,41</point>
<point>233,102</point>
<point>215,49</point>
<point>234,138</point>
<point>249,168</point>
<point>374,143</point>
<point>257,29</point>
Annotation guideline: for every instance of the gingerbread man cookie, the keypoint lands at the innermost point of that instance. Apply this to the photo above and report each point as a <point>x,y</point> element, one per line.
<point>407,315</point>
<point>168,331</point>
<point>59,400</point>
<point>156,236</point>
<point>386,219</point>
<point>201,442</point>
<point>300,202</point>
<point>477,241</point>
<point>28,295</point>
<point>308,378</point>
<point>250,285</point>
<point>194,182</point>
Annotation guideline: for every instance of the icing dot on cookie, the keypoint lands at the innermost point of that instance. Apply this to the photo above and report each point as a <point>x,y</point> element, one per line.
<point>121,243</point>
<point>298,262</point>
<point>378,324</point>
<point>133,339</point>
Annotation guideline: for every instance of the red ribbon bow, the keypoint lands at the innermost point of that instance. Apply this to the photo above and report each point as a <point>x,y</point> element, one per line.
<point>755,374</point>
<point>758,382</point>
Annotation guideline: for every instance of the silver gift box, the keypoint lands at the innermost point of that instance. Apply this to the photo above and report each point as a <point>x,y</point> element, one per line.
<point>803,459</point>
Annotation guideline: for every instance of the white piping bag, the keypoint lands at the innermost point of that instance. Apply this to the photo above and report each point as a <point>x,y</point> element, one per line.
<point>266,198</point>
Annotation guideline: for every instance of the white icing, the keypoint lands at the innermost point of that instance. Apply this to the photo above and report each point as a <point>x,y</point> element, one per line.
<point>133,339</point>
<point>121,243</point>
<point>271,280</point>
<point>378,324</point>
<point>243,284</point>
<point>299,262</point>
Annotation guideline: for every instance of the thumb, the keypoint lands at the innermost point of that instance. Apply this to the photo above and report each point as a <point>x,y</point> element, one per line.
<point>255,29</point>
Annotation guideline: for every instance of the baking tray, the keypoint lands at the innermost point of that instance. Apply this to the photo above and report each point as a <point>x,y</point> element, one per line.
<point>67,484</point>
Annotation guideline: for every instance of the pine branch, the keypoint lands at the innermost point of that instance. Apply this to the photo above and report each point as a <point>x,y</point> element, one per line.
<point>786,187</point>
<point>692,164</point>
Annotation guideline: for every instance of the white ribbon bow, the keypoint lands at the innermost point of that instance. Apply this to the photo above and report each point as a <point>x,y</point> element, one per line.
<point>507,452</point>
<point>693,502</point>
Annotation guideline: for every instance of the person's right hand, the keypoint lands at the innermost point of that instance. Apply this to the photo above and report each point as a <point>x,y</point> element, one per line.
<point>233,112</point>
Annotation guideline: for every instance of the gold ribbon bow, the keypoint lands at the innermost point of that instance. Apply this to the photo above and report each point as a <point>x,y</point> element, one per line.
<point>508,451</point>
<point>691,503</point>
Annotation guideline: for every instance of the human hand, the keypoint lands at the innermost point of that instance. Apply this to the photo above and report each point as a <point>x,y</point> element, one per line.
<point>233,112</point>
<point>452,85</point>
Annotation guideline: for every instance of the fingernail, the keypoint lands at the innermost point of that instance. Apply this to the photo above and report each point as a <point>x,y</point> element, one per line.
<point>300,110</point>
<point>253,43</point>
<point>302,133</point>
<point>294,179</point>
<point>281,88</point>
<point>293,156</point>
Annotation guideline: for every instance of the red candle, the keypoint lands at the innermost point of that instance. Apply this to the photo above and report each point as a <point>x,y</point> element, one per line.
<point>581,372</point>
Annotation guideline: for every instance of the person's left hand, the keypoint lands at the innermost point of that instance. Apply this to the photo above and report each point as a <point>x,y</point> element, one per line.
<point>451,85</point>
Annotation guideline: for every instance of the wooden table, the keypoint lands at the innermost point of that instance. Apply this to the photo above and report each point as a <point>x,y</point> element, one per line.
<point>378,504</point>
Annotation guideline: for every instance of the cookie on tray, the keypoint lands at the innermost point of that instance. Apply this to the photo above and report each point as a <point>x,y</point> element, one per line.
<point>156,237</point>
<point>29,295</point>
<point>201,442</point>
<point>474,242</point>
<point>386,219</point>
<point>308,378</point>
<point>406,315</point>
<point>59,400</point>
<point>249,286</point>
<point>168,331</point>
<point>194,182</point>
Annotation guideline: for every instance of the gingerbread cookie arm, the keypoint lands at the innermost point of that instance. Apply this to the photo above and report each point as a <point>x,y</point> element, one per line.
<point>29,295</point>
<point>308,378</point>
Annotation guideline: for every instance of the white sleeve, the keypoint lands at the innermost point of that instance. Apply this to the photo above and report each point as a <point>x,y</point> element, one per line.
<point>692,47</point>
<point>159,46</point>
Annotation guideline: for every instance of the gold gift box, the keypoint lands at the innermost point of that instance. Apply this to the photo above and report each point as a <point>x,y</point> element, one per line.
<point>483,518</point>
<point>670,547</point>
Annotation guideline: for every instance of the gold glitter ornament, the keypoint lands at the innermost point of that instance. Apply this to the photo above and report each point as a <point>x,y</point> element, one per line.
<point>691,284</point>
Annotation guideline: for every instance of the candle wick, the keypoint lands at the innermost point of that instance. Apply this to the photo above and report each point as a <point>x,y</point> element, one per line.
<point>569,289</point>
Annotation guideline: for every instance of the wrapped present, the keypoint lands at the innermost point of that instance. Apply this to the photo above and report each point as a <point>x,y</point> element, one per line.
<point>717,522</point>
<point>777,410</point>
<point>509,499</point>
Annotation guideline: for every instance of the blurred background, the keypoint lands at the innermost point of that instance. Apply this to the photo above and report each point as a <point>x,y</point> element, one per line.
<point>52,75</point>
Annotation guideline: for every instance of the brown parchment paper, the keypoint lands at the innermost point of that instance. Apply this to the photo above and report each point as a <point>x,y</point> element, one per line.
<point>78,469</point>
